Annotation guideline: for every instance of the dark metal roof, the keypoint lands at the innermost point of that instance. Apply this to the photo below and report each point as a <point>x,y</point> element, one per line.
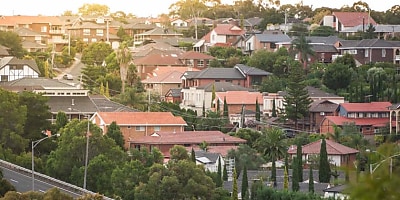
<point>223,87</point>
<point>273,38</point>
<point>251,70</point>
<point>219,73</point>
<point>324,48</point>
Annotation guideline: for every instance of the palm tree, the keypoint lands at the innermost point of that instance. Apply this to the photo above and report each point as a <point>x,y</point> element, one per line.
<point>302,46</point>
<point>124,59</point>
<point>272,144</point>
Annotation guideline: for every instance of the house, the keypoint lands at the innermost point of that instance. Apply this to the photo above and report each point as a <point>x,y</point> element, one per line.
<point>136,125</point>
<point>209,160</point>
<point>338,154</point>
<point>265,41</point>
<point>154,48</point>
<point>12,68</point>
<point>318,110</point>
<point>28,35</point>
<point>337,192</point>
<point>196,59</point>
<point>369,117</point>
<point>226,35</point>
<point>179,23</point>
<point>384,31</point>
<point>315,94</point>
<point>165,140</point>
<point>161,84</point>
<point>371,50</point>
<point>344,20</point>
<point>195,98</point>
<point>237,102</point>
<point>241,75</point>
<point>135,28</point>
<point>4,51</point>
<point>147,64</point>
<point>173,95</point>
<point>394,117</point>
<point>325,48</point>
<point>156,33</point>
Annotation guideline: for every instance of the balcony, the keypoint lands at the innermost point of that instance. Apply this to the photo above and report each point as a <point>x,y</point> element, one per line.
<point>57,31</point>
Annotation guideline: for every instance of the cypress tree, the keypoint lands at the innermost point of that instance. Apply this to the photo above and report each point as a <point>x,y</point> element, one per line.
<point>258,113</point>
<point>300,161</point>
<point>193,156</point>
<point>225,109</point>
<point>204,108</point>
<point>245,183</point>
<point>219,180</point>
<point>218,107</point>
<point>324,167</point>
<point>285,179</point>
<point>286,161</point>
<point>107,92</point>
<point>101,89</point>
<point>274,109</point>
<point>212,96</point>
<point>225,173</point>
<point>311,181</point>
<point>295,176</point>
<point>235,187</point>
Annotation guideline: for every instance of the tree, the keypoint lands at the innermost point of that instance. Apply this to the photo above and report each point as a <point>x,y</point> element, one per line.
<point>235,186</point>
<point>346,59</point>
<point>213,96</point>
<point>225,173</point>
<point>302,46</point>
<point>93,9</point>
<point>311,181</point>
<point>324,166</point>
<point>272,144</point>
<point>323,31</point>
<point>297,100</point>
<point>219,173</point>
<point>5,186</point>
<point>245,155</point>
<point>299,159</point>
<point>61,120</point>
<point>258,112</point>
<point>95,53</point>
<point>178,152</point>
<point>12,40</point>
<point>245,184</point>
<point>273,172</point>
<point>295,175</point>
<point>225,111</point>
<point>285,179</point>
<point>124,58</point>
<point>115,133</point>
<point>248,134</point>
<point>193,156</point>
<point>274,109</point>
<point>337,76</point>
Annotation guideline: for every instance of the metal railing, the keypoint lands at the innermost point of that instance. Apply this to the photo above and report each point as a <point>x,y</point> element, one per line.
<point>38,176</point>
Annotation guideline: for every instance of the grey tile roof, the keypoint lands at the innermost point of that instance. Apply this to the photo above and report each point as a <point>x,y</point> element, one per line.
<point>315,92</point>
<point>251,70</point>
<point>213,157</point>
<point>323,106</point>
<point>190,74</point>
<point>367,43</point>
<point>273,38</point>
<point>323,40</point>
<point>104,104</point>
<point>219,73</point>
<point>324,48</point>
<point>223,87</point>
<point>254,21</point>
<point>40,82</point>
<point>379,28</point>
<point>176,41</point>
<point>160,31</point>
<point>176,92</point>
<point>21,31</point>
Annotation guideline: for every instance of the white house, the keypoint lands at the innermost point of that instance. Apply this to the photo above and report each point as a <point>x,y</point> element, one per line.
<point>179,23</point>
<point>12,68</point>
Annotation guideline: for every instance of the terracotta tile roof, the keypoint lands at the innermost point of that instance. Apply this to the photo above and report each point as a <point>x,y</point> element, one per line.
<point>375,122</point>
<point>350,19</point>
<point>228,29</point>
<point>223,150</point>
<point>195,55</point>
<point>240,97</point>
<point>165,69</point>
<point>207,37</point>
<point>159,59</point>
<point>23,19</point>
<point>332,148</point>
<point>189,137</point>
<point>141,118</point>
<point>366,107</point>
<point>169,77</point>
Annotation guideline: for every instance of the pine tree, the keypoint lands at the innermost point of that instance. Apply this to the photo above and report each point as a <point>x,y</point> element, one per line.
<point>225,108</point>
<point>297,101</point>
<point>235,186</point>
<point>245,183</point>
<point>274,109</point>
<point>324,166</point>
<point>219,180</point>
<point>193,156</point>
<point>225,173</point>
<point>285,179</point>
<point>311,181</point>
<point>258,112</point>
<point>300,161</point>
<point>295,176</point>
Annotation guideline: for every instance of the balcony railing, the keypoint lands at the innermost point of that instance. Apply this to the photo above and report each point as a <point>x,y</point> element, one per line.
<point>57,31</point>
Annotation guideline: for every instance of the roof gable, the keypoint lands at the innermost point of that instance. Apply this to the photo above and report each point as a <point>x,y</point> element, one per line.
<point>228,29</point>
<point>351,19</point>
<point>332,148</point>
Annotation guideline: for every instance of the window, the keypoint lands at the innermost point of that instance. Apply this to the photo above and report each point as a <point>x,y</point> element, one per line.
<point>94,40</point>
<point>366,53</point>
<point>3,78</point>
<point>157,128</point>
<point>137,146</point>
<point>99,32</point>
<point>272,45</point>
<point>139,128</point>
<point>43,29</point>
<point>200,63</point>
<point>383,53</point>
<point>85,39</point>
<point>17,67</point>
<point>322,113</point>
<point>86,31</point>
<point>352,51</point>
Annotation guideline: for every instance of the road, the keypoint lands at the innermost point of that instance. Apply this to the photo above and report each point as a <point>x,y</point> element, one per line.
<point>23,183</point>
<point>75,70</point>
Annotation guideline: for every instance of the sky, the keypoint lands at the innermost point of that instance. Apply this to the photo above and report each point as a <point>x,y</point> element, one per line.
<point>147,8</point>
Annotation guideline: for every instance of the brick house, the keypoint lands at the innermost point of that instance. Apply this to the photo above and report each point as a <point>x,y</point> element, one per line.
<point>395,118</point>
<point>165,140</point>
<point>369,117</point>
<point>135,125</point>
<point>265,41</point>
<point>174,96</point>
<point>319,110</point>
<point>338,154</point>
<point>147,64</point>
<point>162,83</point>
<point>156,33</point>
<point>371,50</point>
<point>196,59</point>
<point>225,35</point>
<point>344,20</point>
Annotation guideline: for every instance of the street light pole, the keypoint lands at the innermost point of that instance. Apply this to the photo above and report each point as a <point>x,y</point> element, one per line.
<point>34,144</point>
